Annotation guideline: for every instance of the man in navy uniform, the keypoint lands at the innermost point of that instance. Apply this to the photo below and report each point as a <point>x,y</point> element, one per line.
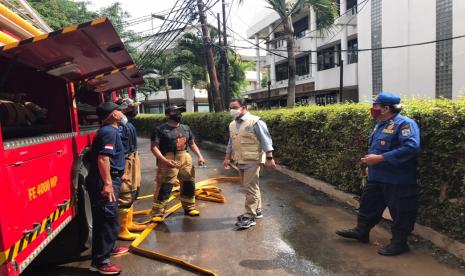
<point>103,185</point>
<point>392,166</point>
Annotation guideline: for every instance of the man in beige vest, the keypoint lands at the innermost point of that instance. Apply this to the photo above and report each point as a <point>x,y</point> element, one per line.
<point>249,147</point>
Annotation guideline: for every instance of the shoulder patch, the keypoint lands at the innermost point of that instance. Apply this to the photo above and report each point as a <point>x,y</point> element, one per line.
<point>405,130</point>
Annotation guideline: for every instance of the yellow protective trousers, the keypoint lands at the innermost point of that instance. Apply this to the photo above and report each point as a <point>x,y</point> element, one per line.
<point>131,181</point>
<point>167,177</point>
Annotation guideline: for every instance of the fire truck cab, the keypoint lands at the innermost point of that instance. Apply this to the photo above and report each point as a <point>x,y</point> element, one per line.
<point>50,85</point>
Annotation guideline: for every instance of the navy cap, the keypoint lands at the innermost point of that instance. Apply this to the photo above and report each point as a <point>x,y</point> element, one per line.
<point>174,108</point>
<point>104,109</point>
<point>387,98</point>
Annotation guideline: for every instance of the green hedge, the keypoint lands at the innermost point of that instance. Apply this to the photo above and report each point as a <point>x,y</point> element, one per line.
<point>327,143</point>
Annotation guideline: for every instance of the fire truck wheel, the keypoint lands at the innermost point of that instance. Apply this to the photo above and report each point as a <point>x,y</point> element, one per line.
<point>84,216</point>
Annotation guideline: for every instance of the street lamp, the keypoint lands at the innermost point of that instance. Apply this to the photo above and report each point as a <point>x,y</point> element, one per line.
<point>269,95</point>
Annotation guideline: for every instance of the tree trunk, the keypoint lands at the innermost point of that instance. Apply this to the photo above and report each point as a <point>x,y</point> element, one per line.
<point>289,33</point>
<point>210,60</point>
<point>167,89</point>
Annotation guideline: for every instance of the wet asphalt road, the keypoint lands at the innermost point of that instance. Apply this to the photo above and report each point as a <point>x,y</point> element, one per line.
<point>296,236</point>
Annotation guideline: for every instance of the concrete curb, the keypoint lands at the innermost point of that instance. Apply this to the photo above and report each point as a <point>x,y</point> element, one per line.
<point>452,246</point>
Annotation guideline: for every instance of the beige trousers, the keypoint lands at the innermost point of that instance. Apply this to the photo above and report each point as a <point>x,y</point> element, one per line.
<point>132,174</point>
<point>250,181</point>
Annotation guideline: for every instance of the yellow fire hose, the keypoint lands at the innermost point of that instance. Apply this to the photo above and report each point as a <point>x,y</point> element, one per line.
<point>204,190</point>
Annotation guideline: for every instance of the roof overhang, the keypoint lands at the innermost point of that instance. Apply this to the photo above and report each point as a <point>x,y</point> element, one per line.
<point>261,26</point>
<point>80,53</point>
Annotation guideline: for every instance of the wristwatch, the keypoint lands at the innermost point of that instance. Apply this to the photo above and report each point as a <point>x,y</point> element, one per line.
<point>269,158</point>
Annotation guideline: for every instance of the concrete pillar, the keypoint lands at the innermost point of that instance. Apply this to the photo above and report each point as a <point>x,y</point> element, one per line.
<point>313,45</point>
<point>272,60</point>
<point>343,9</point>
<point>257,64</point>
<point>189,95</point>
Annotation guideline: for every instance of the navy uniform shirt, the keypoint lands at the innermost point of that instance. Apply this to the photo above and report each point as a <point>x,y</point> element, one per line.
<point>108,142</point>
<point>128,137</point>
<point>398,141</point>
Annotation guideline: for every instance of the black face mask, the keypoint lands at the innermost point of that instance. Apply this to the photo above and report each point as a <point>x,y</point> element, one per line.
<point>176,117</point>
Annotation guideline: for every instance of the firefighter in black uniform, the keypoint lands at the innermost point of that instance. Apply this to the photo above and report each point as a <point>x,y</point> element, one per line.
<point>103,184</point>
<point>169,144</point>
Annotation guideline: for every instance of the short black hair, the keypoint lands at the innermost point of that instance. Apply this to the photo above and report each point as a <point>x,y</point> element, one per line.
<point>241,102</point>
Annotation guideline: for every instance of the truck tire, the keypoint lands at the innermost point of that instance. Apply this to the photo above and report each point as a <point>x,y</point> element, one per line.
<point>84,216</point>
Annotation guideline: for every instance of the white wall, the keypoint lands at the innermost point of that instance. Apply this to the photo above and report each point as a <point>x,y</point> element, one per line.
<point>364,58</point>
<point>410,71</point>
<point>458,77</point>
<point>329,79</point>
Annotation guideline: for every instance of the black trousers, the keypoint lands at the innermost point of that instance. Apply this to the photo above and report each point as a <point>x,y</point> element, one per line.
<point>402,201</point>
<point>104,218</point>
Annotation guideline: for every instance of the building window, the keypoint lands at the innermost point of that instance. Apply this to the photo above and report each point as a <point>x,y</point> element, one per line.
<point>153,108</point>
<point>278,40</point>
<point>282,71</point>
<point>174,83</point>
<point>352,53</point>
<point>302,66</point>
<point>351,7</point>
<point>325,99</point>
<point>326,59</point>
<point>444,54</point>
<point>300,27</point>
<point>376,42</point>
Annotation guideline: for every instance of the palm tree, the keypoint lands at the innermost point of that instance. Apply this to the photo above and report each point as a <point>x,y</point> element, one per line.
<point>324,9</point>
<point>165,66</point>
<point>192,56</point>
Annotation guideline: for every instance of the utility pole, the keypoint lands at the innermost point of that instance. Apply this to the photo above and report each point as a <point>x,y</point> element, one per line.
<point>227,90</point>
<point>210,60</point>
<point>223,76</point>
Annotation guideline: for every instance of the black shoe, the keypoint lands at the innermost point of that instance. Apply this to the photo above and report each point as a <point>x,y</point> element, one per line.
<point>355,234</point>
<point>245,223</point>
<point>259,216</point>
<point>394,249</point>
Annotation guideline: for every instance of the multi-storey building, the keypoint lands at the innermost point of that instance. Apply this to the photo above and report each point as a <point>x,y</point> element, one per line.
<point>363,37</point>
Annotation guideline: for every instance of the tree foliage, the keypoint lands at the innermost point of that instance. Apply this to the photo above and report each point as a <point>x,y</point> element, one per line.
<point>192,56</point>
<point>60,13</point>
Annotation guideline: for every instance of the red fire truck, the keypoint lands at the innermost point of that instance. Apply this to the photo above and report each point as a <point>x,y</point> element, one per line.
<point>50,85</point>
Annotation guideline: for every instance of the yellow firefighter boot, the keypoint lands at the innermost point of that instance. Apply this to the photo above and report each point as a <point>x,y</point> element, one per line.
<point>124,234</point>
<point>131,225</point>
<point>192,213</point>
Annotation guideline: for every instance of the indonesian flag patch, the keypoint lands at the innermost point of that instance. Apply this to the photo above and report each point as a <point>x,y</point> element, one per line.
<point>109,146</point>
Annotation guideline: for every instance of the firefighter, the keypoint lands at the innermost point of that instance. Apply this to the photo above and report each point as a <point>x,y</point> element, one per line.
<point>132,174</point>
<point>103,184</point>
<point>169,144</point>
<point>249,147</point>
<point>393,147</point>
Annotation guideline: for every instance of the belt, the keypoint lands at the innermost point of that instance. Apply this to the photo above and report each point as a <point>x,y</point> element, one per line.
<point>116,173</point>
<point>129,154</point>
<point>178,151</point>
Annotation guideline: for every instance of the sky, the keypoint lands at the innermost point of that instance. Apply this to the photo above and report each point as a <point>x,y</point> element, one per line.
<point>241,17</point>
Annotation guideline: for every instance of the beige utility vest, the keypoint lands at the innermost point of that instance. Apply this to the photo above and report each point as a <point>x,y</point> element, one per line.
<point>246,148</point>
